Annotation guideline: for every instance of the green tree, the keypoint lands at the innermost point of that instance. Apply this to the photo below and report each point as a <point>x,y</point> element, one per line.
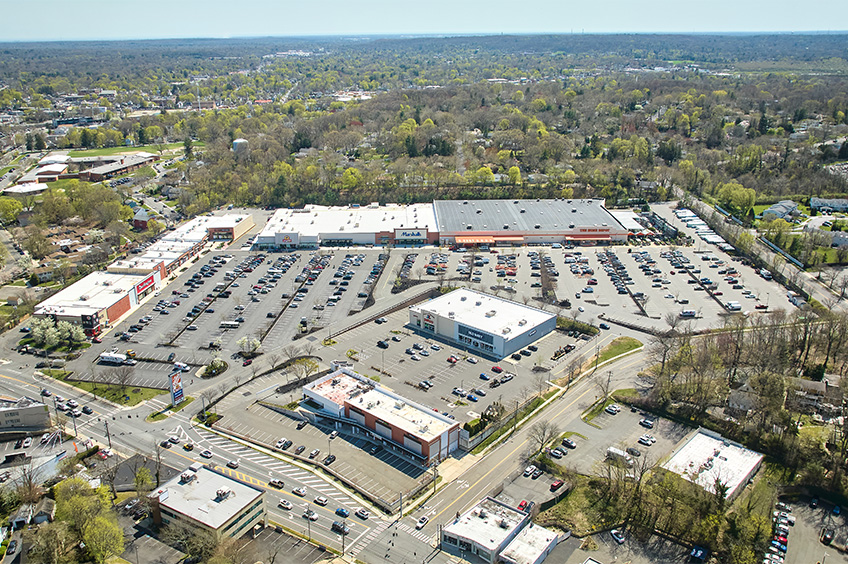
<point>103,539</point>
<point>143,480</point>
<point>188,147</point>
<point>514,174</point>
<point>50,543</point>
<point>9,209</point>
<point>351,178</point>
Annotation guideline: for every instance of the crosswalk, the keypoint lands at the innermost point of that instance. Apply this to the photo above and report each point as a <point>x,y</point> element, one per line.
<point>276,468</point>
<point>412,531</point>
<point>366,540</point>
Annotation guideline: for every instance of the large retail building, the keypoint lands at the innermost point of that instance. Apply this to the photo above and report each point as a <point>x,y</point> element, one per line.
<point>481,323</point>
<point>102,297</point>
<point>426,435</point>
<point>446,222</point>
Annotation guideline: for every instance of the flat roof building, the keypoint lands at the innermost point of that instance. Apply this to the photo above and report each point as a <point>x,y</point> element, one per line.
<point>706,458</point>
<point>344,394</point>
<point>517,222</point>
<point>98,299</point>
<point>23,414</point>
<point>484,530</point>
<point>531,546</point>
<point>481,323</point>
<point>349,225</point>
<point>207,499</point>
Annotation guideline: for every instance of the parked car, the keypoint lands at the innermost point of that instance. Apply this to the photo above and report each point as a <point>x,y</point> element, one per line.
<point>617,535</point>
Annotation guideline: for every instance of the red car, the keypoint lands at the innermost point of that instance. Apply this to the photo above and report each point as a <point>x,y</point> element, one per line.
<point>522,505</point>
<point>247,362</point>
<point>453,359</point>
<point>97,340</point>
<point>497,369</point>
<point>556,485</point>
<point>781,540</point>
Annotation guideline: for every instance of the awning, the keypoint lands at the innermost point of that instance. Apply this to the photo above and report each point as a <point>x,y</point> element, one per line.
<point>475,240</point>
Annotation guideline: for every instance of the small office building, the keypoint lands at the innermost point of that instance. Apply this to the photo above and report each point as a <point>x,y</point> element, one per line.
<point>483,531</point>
<point>209,500</point>
<point>23,414</point>
<point>481,323</point>
<point>424,434</point>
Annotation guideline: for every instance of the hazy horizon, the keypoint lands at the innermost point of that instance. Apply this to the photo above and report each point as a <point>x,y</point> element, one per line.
<point>97,20</point>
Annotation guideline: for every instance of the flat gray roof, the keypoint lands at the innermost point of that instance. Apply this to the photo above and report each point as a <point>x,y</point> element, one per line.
<point>455,216</point>
<point>199,500</point>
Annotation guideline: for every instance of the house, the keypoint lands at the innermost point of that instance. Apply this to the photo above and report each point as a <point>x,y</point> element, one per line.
<point>829,204</point>
<point>807,396</point>
<point>140,219</point>
<point>741,401</point>
<point>22,517</point>
<point>45,511</point>
<point>780,210</point>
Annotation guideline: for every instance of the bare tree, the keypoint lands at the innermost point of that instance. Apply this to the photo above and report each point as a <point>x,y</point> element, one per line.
<point>223,388</point>
<point>275,359</point>
<point>28,484</point>
<point>541,433</point>
<point>541,381</point>
<point>309,348</point>
<point>604,382</point>
<point>123,376</point>
<point>157,462</point>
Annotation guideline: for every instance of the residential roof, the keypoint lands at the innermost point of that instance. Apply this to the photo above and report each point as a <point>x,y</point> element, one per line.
<point>522,216</point>
<point>27,188</point>
<point>528,545</point>
<point>199,499</point>
<point>489,523</point>
<point>484,312</point>
<point>707,457</point>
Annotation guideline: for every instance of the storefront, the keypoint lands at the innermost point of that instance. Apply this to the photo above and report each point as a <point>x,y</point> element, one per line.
<point>411,237</point>
<point>145,287</point>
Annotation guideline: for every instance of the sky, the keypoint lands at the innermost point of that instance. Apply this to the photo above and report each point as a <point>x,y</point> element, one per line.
<point>55,20</point>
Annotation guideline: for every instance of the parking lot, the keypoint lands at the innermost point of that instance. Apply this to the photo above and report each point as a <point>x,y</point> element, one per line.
<point>384,473</point>
<point>804,540</point>
<point>398,370</point>
<point>621,431</point>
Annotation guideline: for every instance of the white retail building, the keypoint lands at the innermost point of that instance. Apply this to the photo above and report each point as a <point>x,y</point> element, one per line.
<point>481,323</point>
<point>707,459</point>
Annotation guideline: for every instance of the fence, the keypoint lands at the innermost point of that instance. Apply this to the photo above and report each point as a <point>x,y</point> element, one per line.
<point>467,442</point>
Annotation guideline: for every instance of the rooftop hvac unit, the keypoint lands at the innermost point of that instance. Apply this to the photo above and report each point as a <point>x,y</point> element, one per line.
<point>503,524</point>
<point>424,429</point>
<point>522,323</point>
<point>506,330</point>
<point>223,493</point>
<point>483,514</point>
<point>478,302</point>
<point>463,298</point>
<point>83,298</point>
<point>490,313</point>
<point>451,314</point>
<point>187,477</point>
<point>399,404</point>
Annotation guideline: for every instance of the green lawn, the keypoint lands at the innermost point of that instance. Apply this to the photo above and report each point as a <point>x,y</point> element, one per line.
<point>619,346</point>
<point>108,151</point>
<point>596,409</point>
<point>160,415</point>
<point>111,392</point>
<point>6,169</point>
<point>21,283</point>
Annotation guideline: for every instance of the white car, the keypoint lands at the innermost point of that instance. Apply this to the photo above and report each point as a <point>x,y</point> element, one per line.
<point>321,500</point>
<point>421,522</point>
<point>529,470</point>
<point>436,347</point>
<point>471,359</point>
<point>284,504</point>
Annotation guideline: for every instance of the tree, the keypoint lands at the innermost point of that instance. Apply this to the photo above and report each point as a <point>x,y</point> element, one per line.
<point>143,481</point>
<point>542,433</point>
<point>103,539</point>
<point>194,542</point>
<point>49,543</point>
<point>514,174</point>
<point>10,208</point>
<point>155,227</point>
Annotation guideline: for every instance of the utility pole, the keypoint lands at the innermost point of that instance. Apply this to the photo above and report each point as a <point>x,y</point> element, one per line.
<point>74,417</point>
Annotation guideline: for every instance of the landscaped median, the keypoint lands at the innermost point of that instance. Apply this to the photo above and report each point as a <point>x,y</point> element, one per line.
<point>165,413</point>
<point>122,395</point>
<point>619,346</point>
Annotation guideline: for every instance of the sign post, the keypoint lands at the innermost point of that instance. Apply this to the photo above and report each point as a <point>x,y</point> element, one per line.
<point>176,388</point>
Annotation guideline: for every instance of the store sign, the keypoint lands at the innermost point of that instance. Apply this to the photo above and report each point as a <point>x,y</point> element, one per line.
<point>475,334</point>
<point>144,284</point>
<point>410,233</point>
<point>176,388</point>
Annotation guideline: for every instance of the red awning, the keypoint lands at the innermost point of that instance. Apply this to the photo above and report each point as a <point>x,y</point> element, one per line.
<point>475,240</point>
